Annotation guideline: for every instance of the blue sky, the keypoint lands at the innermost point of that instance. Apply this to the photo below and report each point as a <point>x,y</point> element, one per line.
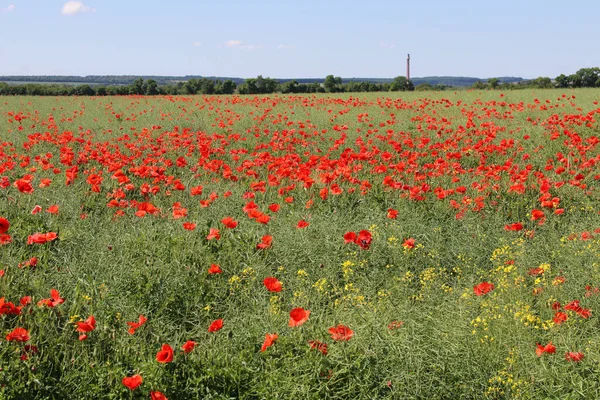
<point>302,39</point>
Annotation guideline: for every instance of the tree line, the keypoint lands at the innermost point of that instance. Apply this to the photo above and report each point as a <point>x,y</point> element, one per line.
<point>584,78</point>
<point>258,85</point>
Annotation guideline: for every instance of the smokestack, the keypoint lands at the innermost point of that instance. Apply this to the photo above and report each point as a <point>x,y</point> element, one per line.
<point>408,67</point>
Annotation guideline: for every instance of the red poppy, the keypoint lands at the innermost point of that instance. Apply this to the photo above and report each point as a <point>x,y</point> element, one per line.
<point>341,333</point>
<point>53,301</point>
<point>132,382</point>
<point>549,348</point>
<point>298,316</point>
<point>36,210</point>
<point>409,243</point>
<point>27,351</point>
<point>514,227</point>
<point>270,338</point>
<point>86,326</point>
<point>189,226</point>
<point>265,242</point>
<point>272,284</point>
<point>213,234</point>
<point>18,335</point>
<point>41,238</point>
<point>349,237</point>
<point>135,325</point>
<point>4,225</point>
<point>52,209</point>
<point>157,396</point>
<point>32,262</point>
<point>483,288</point>
<point>229,222</point>
<point>165,355</point>
<point>574,356</point>
<point>392,214</point>
<point>364,239</point>
<point>537,215</point>
<point>395,325</point>
<point>214,269</point>
<point>302,224</point>
<point>188,346</point>
<point>5,238</point>
<point>560,317</point>
<point>274,207</point>
<point>315,344</point>
<point>216,325</point>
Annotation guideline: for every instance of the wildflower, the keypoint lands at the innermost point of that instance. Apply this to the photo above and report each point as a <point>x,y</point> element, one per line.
<point>18,335</point>
<point>165,355</point>
<point>270,339</point>
<point>4,225</point>
<point>132,382</point>
<point>574,356</point>
<point>272,284</point>
<point>483,288</point>
<point>188,346</point>
<point>216,325</point>
<point>549,348</point>
<point>135,325</point>
<point>315,344</point>
<point>341,333</point>
<point>214,269</point>
<point>298,316</point>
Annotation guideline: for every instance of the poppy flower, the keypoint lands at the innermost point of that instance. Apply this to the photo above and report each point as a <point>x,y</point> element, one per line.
<point>560,317</point>
<point>132,382</point>
<point>315,344</point>
<point>537,215</point>
<point>514,227</point>
<point>27,351</point>
<point>270,338</point>
<point>302,224</point>
<point>86,326</point>
<point>272,284</point>
<point>409,243</point>
<point>32,262</point>
<point>395,325</point>
<point>53,301</point>
<point>216,325</point>
<point>213,234</point>
<point>574,356</point>
<point>165,355</point>
<point>265,242</point>
<point>188,346</point>
<point>229,222</point>
<point>41,238</point>
<point>341,333</point>
<point>298,316</point>
<point>4,225</point>
<point>5,238</point>
<point>392,214</point>
<point>52,209</point>
<point>483,288</point>
<point>349,237</point>
<point>189,226</point>
<point>135,325</point>
<point>158,396</point>
<point>18,335</point>
<point>364,239</point>
<point>549,348</point>
<point>214,269</point>
<point>36,210</point>
<point>274,207</point>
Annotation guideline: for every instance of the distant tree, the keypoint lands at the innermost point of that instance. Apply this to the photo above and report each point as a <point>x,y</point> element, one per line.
<point>226,87</point>
<point>542,82</point>
<point>83,90</point>
<point>137,87</point>
<point>290,87</point>
<point>479,85</point>
<point>400,83</point>
<point>332,84</point>
<point>150,87</point>
<point>423,87</point>
<point>562,81</point>
<point>101,91</point>
<point>493,83</point>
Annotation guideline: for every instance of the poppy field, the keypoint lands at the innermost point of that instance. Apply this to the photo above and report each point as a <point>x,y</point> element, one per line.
<point>420,245</point>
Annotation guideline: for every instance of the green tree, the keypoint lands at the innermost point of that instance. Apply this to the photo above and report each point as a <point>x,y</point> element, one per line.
<point>150,87</point>
<point>332,84</point>
<point>493,83</point>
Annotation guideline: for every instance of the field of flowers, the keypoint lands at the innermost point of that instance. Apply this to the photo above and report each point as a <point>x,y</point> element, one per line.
<point>439,245</point>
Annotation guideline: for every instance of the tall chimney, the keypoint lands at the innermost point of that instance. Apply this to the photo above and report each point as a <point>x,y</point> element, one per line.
<point>408,67</point>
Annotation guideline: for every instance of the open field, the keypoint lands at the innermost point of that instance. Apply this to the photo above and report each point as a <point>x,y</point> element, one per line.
<point>418,246</point>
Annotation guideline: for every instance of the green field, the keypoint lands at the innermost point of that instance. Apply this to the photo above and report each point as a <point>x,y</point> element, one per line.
<point>483,219</point>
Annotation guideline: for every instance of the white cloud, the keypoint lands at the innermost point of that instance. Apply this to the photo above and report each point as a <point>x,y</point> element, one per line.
<point>387,45</point>
<point>233,43</point>
<point>285,47</point>
<point>75,7</point>
<point>197,44</point>
<point>9,8</point>
<point>238,44</point>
